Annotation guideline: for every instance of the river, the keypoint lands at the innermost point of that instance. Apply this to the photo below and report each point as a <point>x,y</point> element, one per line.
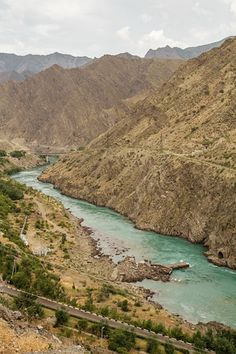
<point>203,292</point>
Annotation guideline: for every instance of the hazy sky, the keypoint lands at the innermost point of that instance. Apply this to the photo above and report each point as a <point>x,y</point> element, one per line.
<point>96,27</point>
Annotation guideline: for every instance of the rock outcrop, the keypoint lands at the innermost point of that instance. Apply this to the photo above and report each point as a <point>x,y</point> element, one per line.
<point>170,165</point>
<point>128,270</point>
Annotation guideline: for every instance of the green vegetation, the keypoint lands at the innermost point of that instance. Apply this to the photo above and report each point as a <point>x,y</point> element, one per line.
<point>17,154</point>
<point>62,318</point>
<point>121,341</point>
<point>12,190</point>
<point>222,341</point>
<point>193,129</point>
<point>169,349</point>
<point>3,153</point>
<point>82,324</point>
<point>89,305</point>
<point>107,290</point>
<point>10,194</point>
<point>27,303</point>
<point>124,305</point>
<point>28,273</point>
<point>20,268</point>
<point>153,347</point>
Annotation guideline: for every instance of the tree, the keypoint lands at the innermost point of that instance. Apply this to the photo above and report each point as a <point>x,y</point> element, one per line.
<point>62,318</point>
<point>124,305</point>
<point>82,324</point>
<point>169,349</point>
<point>121,341</point>
<point>27,303</point>
<point>153,347</point>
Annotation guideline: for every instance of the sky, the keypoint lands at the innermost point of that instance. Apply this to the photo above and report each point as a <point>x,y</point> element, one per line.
<point>97,27</point>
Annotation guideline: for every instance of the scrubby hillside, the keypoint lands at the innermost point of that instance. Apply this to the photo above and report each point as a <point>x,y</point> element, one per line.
<point>170,165</point>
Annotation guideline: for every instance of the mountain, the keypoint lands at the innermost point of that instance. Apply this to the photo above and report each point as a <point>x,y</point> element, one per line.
<point>36,63</point>
<point>14,76</point>
<point>66,108</point>
<point>170,164</point>
<point>179,53</point>
<point>127,55</point>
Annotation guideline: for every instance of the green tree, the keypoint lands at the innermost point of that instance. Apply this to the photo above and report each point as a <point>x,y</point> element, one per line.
<point>62,318</point>
<point>153,347</point>
<point>121,341</point>
<point>124,305</point>
<point>3,153</point>
<point>82,324</point>
<point>169,349</point>
<point>27,303</point>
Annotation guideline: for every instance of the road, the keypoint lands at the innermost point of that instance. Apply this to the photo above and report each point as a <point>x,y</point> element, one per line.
<point>75,312</point>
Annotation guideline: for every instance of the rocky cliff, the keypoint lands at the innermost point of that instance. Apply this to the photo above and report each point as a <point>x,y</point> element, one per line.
<point>68,107</point>
<point>170,165</point>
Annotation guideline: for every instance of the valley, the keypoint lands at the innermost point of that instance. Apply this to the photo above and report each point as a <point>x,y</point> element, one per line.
<point>117,201</point>
<point>118,238</point>
<point>60,262</point>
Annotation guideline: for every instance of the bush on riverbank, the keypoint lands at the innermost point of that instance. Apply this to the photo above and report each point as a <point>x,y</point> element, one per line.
<point>3,153</point>
<point>17,154</point>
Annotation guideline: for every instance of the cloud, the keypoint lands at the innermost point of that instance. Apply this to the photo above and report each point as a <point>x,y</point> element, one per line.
<point>232,4</point>
<point>124,33</point>
<point>94,27</point>
<point>45,30</point>
<point>157,38</point>
<point>145,18</point>
<point>200,10</point>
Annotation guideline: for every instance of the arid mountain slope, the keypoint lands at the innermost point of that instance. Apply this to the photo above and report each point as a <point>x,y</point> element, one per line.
<point>170,166</point>
<point>67,108</point>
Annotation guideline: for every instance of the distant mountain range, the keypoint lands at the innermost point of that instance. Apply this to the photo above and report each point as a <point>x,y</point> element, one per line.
<point>17,68</point>
<point>31,64</point>
<point>179,53</point>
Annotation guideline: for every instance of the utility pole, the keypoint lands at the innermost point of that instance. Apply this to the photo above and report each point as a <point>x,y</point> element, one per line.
<point>102,329</point>
<point>13,268</point>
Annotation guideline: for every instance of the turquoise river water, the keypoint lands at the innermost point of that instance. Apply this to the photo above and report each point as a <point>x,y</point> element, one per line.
<point>203,292</point>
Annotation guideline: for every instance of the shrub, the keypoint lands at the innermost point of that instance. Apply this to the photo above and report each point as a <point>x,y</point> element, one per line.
<point>121,341</point>
<point>62,318</point>
<point>17,154</point>
<point>3,153</point>
<point>27,303</point>
<point>169,349</point>
<point>124,305</point>
<point>153,347</point>
<point>13,190</point>
<point>82,324</point>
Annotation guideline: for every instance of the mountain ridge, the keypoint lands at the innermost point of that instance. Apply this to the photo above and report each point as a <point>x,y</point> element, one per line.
<point>168,52</point>
<point>35,62</point>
